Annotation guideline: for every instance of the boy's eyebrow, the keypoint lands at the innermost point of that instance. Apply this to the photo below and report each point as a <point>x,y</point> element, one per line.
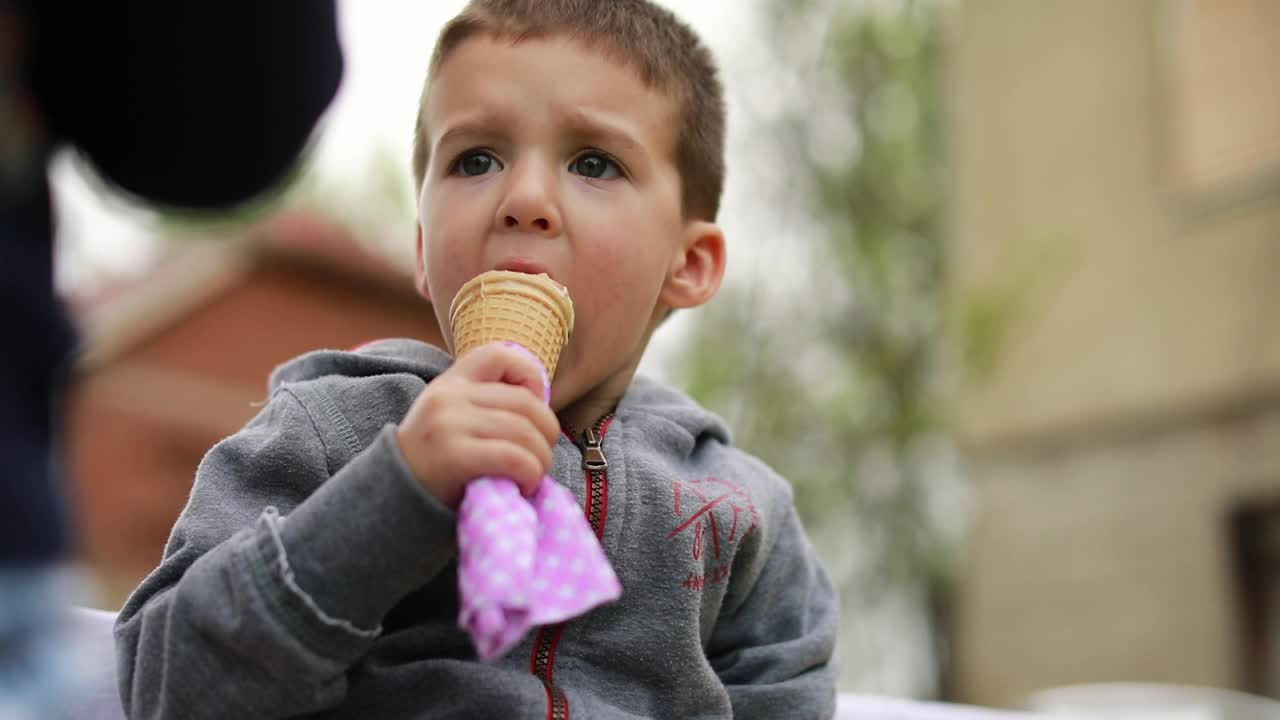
<point>473,124</point>
<point>597,127</point>
<point>588,125</point>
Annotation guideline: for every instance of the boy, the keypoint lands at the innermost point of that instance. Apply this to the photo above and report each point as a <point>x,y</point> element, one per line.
<point>313,573</point>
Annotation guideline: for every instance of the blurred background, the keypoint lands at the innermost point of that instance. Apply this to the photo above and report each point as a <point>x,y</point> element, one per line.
<point>1001,305</point>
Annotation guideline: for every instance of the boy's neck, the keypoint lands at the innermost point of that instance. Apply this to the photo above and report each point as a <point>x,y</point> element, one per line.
<point>597,402</point>
<point>587,410</point>
<point>578,423</point>
<point>583,412</point>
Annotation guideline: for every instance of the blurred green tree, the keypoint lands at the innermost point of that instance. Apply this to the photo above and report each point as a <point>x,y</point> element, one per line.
<point>837,383</point>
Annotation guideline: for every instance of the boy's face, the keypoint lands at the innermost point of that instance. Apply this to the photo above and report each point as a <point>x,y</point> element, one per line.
<point>546,156</point>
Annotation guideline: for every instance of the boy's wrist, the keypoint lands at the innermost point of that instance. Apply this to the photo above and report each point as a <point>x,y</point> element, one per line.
<point>409,452</point>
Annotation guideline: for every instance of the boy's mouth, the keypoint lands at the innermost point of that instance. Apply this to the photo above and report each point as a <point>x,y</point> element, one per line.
<point>523,265</point>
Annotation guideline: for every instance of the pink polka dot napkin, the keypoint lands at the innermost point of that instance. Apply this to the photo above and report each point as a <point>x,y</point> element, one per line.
<point>523,563</point>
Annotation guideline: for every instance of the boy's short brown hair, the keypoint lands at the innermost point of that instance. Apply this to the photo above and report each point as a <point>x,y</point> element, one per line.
<point>664,51</point>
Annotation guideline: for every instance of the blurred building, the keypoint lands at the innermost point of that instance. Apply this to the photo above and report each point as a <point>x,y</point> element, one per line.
<point>179,359</point>
<point>1116,225</point>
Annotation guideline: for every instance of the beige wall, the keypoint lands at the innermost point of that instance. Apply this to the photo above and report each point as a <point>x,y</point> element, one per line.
<point>1150,302</point>
<point>1108,561</point>
<point>1135,394</point>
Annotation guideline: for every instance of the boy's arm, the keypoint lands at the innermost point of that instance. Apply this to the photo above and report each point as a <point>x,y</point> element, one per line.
<point>773,648</point>
<point>277,576</point>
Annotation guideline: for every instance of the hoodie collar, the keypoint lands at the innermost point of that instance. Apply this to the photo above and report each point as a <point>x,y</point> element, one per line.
<point>644,401</point>
<point>377,358</point>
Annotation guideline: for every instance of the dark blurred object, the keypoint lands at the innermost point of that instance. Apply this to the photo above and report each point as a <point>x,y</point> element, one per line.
<point>191,105</point>
<point>183,104</point>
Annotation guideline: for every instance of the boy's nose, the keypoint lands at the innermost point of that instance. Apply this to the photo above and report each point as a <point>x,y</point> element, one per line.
<point>530,203</point>
<point>537,223</point>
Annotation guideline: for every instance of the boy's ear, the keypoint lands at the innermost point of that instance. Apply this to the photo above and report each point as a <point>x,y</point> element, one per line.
<point>420,267</point>
<point>696,271</point>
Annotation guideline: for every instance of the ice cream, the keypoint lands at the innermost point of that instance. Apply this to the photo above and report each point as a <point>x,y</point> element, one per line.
<point>533,311</point>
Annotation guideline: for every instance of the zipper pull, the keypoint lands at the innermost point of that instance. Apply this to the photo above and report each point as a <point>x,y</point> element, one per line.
<point>592,455</point>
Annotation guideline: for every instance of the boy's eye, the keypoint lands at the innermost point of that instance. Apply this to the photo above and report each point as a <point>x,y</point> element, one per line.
<point>595,165</point>
<point>476,162</point>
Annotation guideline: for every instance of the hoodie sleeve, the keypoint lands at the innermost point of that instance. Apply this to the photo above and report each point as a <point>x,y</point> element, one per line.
<point>277,575</point>
<point>773,648</point>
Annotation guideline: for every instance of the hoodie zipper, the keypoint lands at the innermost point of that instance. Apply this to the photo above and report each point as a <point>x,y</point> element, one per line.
<point>596,469</point>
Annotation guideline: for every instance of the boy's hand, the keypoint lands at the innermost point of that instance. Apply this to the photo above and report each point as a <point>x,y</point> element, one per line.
<point>483,416</point>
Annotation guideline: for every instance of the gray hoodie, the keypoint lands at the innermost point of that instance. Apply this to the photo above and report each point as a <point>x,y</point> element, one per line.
<point>311,575</point>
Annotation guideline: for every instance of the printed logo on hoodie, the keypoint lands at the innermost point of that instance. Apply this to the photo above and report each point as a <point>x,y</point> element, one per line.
<point>711,515</point>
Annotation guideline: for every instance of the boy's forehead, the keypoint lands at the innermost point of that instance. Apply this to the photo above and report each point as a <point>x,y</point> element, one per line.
<point>491,78</point>
<point>574,49</point>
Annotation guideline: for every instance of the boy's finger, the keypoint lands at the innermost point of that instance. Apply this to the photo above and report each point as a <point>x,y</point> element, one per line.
<point>514,428</point>
<point>497,362</point>
<point>508,460</point>
<point>547,423</point>
<point>495,396</point>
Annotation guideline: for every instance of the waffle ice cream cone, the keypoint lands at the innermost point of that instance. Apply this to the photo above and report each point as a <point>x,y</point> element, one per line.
<point>531,310</point>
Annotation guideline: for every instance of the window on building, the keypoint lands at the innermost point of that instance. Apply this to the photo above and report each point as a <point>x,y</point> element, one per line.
<point>1224,117</point>
<point>1255,541</point>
